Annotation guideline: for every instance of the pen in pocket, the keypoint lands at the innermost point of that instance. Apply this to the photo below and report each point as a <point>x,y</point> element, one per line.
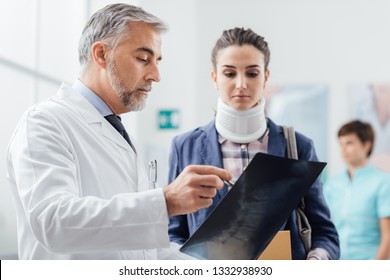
<point>153,173</point>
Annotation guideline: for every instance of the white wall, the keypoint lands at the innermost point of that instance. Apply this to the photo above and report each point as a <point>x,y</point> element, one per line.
<point>337,43</point>
<point>178,87</point>
<point>323,41</point>
<point>39,49</point>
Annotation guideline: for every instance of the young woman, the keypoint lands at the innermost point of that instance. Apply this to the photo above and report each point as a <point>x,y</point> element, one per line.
<point>240,130</point>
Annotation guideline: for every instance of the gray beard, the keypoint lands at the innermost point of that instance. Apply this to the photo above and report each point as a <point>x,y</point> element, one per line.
<point>131,99</point>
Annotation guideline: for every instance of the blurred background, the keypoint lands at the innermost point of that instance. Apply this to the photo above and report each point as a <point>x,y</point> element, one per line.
<point>327,57</point>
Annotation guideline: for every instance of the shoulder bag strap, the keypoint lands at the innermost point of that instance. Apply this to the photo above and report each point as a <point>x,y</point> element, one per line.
<point>303,223</point>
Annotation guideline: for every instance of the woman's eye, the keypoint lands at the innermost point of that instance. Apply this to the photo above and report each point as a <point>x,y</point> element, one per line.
<point>229,74</point>
<point>252,74</point>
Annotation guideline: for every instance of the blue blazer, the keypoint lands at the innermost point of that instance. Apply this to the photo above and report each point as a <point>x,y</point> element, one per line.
<point>201,146</point>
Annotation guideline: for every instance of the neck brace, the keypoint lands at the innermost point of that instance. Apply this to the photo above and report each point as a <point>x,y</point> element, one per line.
<point>241,126</point>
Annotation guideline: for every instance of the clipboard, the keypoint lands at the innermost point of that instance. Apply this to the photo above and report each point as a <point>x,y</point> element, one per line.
<point>254,210</point>
<point>279,248</point>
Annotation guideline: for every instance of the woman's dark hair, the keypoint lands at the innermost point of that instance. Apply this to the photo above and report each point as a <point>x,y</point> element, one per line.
<point>240,36</point>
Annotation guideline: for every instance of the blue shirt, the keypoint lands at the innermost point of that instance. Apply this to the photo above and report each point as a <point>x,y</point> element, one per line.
<point>92,98</point>
<point>356,207</point>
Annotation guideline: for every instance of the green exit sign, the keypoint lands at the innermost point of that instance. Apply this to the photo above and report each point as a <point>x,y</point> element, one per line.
<point>169,119</point>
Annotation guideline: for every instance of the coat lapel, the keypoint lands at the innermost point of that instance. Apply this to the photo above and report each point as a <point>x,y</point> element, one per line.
<point>276,143</point>
<point>94,119</point>
<point>108,131</point>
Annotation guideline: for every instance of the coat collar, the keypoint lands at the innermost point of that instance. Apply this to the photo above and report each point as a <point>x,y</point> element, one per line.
<point>88,112</point>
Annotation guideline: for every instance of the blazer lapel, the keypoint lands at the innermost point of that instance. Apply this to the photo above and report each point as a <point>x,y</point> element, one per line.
<point>210,150</point>
<point>276,143</point>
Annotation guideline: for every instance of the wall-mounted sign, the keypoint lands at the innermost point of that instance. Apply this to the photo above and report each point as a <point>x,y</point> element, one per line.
<point>169,119</point>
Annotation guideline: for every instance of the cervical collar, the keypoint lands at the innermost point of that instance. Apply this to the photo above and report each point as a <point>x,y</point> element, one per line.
<point>243,126</point>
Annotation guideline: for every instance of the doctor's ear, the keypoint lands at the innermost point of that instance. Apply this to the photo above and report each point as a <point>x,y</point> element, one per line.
<point>214,78</point>
<point>99,52</point>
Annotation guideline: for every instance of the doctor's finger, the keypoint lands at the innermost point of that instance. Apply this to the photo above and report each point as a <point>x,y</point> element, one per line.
<point>203,202</point>
<point>210,181</point>
<point>206,192</point>
<point>210,170</point>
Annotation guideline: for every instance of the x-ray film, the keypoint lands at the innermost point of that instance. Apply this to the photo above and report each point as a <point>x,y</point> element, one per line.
<point>254,210</point>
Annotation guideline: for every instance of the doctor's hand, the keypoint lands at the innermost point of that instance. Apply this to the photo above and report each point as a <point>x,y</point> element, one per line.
<point>194,188</point>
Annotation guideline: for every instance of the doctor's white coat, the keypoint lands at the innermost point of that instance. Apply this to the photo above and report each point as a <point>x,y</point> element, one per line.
<point>79,189</point>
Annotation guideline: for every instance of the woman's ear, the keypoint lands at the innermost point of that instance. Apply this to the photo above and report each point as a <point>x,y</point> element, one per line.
<point>99,52</point>
<point>214,78</point>
<point>266,76</point>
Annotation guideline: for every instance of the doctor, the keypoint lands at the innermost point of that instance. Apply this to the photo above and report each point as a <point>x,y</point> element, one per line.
<point>81,191</point>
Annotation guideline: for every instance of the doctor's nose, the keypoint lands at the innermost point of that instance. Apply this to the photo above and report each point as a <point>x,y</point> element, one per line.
<point>154,74</point>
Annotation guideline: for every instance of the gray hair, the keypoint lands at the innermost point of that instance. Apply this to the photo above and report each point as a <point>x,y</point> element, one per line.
<point>110,25</point>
